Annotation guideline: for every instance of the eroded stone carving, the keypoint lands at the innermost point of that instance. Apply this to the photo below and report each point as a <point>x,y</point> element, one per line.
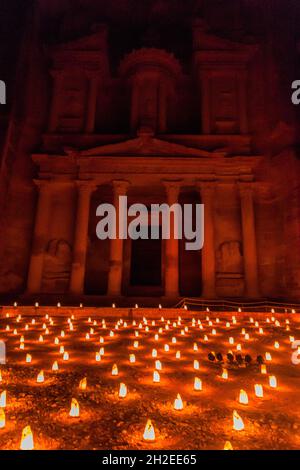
<point>230,258</point>
<point>57,266</point>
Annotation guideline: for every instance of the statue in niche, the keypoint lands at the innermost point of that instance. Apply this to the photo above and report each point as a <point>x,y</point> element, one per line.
<point>57,266</point>
<point>230,258</point>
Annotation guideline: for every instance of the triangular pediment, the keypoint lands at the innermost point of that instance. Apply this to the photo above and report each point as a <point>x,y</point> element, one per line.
<point>92,42</point>
<point>148,146</point>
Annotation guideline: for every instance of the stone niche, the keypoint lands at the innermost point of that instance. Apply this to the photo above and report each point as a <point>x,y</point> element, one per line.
<point>152,75</point>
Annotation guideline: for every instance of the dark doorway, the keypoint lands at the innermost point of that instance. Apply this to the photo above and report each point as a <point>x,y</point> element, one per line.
<point>146,262</point>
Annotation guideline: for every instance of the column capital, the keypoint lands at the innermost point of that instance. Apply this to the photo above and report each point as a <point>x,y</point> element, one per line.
<point>245,188</point>
<point>172,189</point>
<point>43,185</point>
<point>86,186</point>
<point>120,187</point>
<point>207,188</point>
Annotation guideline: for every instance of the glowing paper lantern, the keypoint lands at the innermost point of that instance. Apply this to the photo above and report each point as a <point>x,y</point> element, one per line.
<point>154,353</point>
<point>259,391</point>
<point>268,356</point>
<point>74,411</point>
<point>156,376</point>
<point>263,369</point>
<point>178,403</point>
<point>238,423</point>
<point>98,357</point>
<point>132,358</point>
<point>225,374</point>
<point>27,439</point>
<point>197,384</point>
<point>243,398</point>
<point>83,384</point>
<point>149,432</point>
<point>3,399</point>
<point>122,390</point>
<point>28,358</point>
<point>40,378</point>
<point>66,356</point>
<point>55,366</point>
<point>2,418</point>
<point>273,381</point>
<point>178,355</point>
<point>196,365</point>
<point>114,370</point>
<point>228,446</point>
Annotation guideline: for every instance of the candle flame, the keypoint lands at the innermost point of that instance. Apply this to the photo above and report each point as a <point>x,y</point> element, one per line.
<point>55,366</point>
<point>114,370</point>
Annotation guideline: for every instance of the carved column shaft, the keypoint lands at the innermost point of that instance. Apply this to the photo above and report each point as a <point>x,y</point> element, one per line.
<point>35,272</point>
<point>249,239</point>
<point>85,190</point>
<point>117,245</point>
<point>207,191</point>
<point>172,245</point>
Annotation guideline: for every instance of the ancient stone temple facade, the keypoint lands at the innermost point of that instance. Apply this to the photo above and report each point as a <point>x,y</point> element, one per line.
<point>157,129</point>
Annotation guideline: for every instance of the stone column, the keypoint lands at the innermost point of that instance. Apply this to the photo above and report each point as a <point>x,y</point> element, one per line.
<point>249,240</point>
<point>92,103</point>
<point>207,190</point>
<point>116,246</point>
<point>85,190</point>
<point>57,81</point>
<point>172,246</point>
<point>35,272</point>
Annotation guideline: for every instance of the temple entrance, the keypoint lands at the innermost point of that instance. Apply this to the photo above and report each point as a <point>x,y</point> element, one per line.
<point>146,263</point>
<point>144,267</point>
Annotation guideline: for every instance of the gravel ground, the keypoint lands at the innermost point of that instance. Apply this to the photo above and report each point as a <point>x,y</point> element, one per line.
<point>109,422</point>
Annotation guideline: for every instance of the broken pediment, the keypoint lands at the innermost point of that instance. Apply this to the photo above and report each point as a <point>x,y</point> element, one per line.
<point>149,145</point>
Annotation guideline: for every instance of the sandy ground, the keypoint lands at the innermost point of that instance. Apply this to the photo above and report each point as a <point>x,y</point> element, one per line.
<point>109,422</point>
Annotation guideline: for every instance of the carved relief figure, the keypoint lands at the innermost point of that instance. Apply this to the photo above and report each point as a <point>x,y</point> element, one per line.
<point>57,266</point>
<point>230,258</point>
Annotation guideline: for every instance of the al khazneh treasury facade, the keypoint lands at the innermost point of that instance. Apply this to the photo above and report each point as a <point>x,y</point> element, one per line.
<point>156,129</point>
